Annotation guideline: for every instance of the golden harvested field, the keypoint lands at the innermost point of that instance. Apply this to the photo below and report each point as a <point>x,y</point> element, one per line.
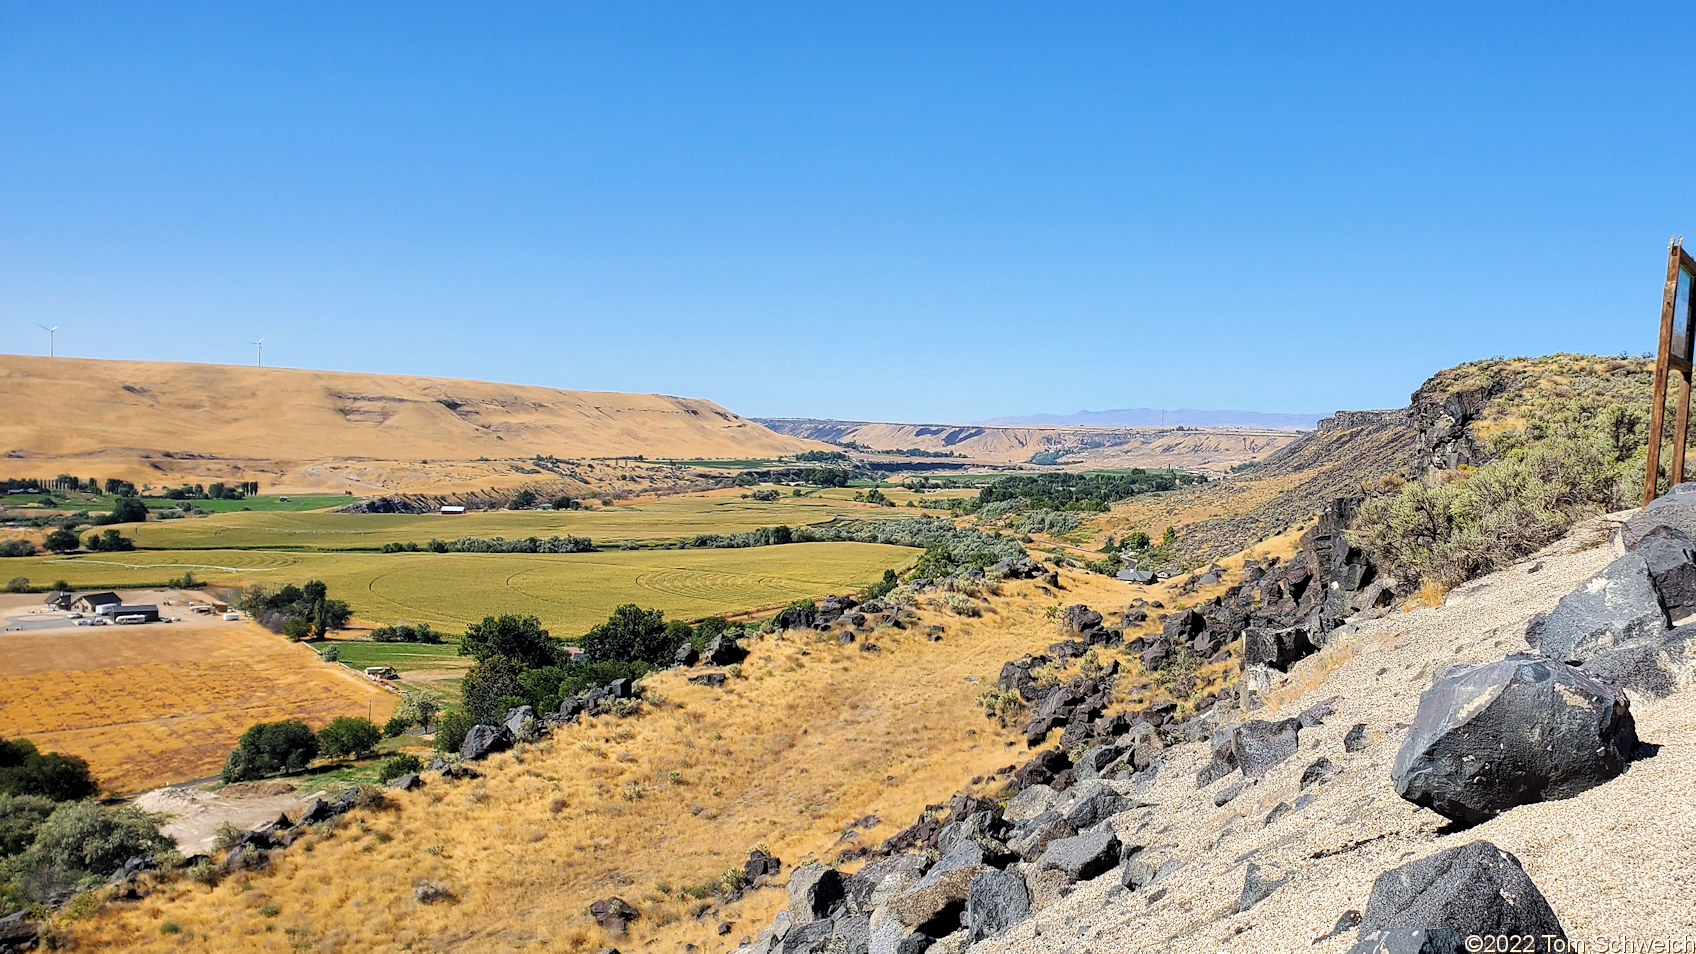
<point>295,430</point>
<point>669,518</point>
<point>568,592</point>
<point>151,705</point>
<point>813,737</point>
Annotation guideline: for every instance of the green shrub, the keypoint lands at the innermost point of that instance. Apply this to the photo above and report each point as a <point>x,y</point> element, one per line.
<point>1449,532</point>
<point>84,838</point>
<point>396,726</point>
<point>406,633</point>
<point>395,766</point>
<point>452,729</point>
<point>348,737</point>
<point>21,816</point>
<point>16,548</point>
<point>18,584</point>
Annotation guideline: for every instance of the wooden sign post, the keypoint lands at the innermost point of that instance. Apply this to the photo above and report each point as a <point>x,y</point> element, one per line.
<point>1674,354</point>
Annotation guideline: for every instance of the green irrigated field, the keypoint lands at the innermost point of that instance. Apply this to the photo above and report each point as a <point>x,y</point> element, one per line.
<point>569,592</point>
<point>103,502</point>
<point>668,519</point>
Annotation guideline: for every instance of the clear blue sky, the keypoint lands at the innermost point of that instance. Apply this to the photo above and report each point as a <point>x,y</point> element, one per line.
<point>907,211</point>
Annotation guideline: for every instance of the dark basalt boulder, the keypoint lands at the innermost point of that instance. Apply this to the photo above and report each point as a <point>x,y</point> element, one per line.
<point>1356,739</point>
<point>1675,510</point>
<point>1079,618</point>
<point>520,723</point>
<point>1277,648</point>
<point>995,901</point>
<point>484,740</point>
<point>1655,666</point>
<point>613,915</point>
<point>759,865</point>
<point>712,679</point>
<point>722,650</point>
<point>1475,890</point>
<point>686,655</point>
<point>813,891</point>
<point>1616,606</point>
<point>1183,626</point>
<point>1523,730</point>
<point>1671,556</point>
<point>1082,857</point>
<point>795,617</point>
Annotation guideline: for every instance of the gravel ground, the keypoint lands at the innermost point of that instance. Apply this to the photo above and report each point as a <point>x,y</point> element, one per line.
<point>1617,863</point>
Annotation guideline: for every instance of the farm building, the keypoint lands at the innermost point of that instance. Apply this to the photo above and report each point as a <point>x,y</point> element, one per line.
<point>94,603</point>
<point>60,599</point>
<point>452,510</point>
<point>147,613</point>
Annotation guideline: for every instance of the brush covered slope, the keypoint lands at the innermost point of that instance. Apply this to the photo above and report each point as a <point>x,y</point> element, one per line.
<point>811,747</point>
<point>164,422</point>
<point>1459,420</point>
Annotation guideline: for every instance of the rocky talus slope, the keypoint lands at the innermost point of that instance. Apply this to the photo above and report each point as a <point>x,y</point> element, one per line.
<point>1518,762</point>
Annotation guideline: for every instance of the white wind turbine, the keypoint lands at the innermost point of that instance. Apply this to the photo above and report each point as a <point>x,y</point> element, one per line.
<point>50,332</point>
<point>260,344</point>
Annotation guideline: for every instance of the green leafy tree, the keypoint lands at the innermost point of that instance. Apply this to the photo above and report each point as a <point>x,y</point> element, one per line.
<point>128,509</point>
<point>631,634</point>
<point>520,639</point>
<point>109,541</point>
<point>523,500</point>
<point>24,770</point>
<point>348,737</point>
<point>488,683</point>
<point>269,748</point>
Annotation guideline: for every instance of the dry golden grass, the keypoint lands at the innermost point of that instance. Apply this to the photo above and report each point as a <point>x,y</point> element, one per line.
<point>152,705</point>
<point>814,736</point>
<point>301,429</point>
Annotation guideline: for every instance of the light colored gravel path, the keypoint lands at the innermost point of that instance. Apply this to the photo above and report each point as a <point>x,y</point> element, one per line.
<point>1618,861</point>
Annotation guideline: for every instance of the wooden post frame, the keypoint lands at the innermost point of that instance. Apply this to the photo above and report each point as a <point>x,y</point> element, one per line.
<point>1677,342</point>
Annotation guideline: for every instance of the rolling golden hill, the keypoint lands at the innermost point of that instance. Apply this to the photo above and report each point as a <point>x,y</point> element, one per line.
<point>295,430</point>
<point>1210,448</point>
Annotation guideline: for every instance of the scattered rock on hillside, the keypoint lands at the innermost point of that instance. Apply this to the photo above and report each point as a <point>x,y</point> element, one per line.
<point>1258,886</point>
<point>996,901</point>
<point>1084,856</point>
<point>430,892</point>
<point>1616,606</point>
<point>1356,739</point>
<point>1509,733</point>
<point>613,915</point>
<point>483,740</point>
<point>1276,648</point>
<point>1475,890</point>
<point>713,679</point>
<point>1079,618</point>
<point>1655,666</point>
<point>1318,772</point>
<point>795,617</point>
<point>520,724</point>
<point>760,865</point>
<point>722,650</point>
<point>813,891</point>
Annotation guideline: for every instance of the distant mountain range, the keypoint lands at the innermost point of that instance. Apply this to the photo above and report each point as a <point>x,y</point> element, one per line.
<point>1172,417</point>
